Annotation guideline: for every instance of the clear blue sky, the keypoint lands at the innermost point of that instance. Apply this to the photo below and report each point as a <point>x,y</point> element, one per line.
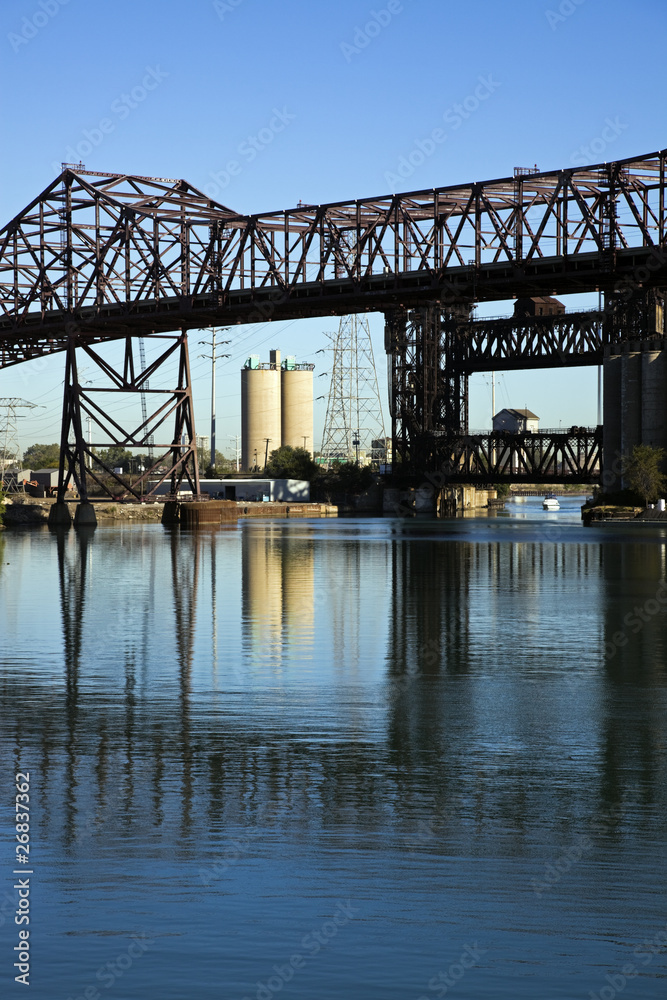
<point>351,105</point>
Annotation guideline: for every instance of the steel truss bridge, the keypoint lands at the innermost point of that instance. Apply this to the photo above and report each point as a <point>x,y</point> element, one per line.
<point>98,257</point>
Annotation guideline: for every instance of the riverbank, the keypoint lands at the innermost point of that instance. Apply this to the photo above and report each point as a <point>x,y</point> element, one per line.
<point>635,515</point>
<point>26,511</point>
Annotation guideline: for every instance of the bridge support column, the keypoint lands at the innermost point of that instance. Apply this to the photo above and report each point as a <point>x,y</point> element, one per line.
<point>59,515</point>
<point>85,515</point>
<point>631,398</point>
<point>173,460</point>
<point>611,460</point>
<point>654,396</point>
<point>429,387</point>
<point>635,403</point>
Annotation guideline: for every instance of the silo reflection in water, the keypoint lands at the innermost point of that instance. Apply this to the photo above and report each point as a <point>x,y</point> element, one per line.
<point>278,594</point>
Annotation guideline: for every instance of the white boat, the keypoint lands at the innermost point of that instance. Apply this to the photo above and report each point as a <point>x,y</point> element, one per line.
<point>550,502</point>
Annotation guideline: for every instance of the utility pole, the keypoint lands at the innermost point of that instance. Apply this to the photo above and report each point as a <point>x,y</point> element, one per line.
<point>266,453</point>
<point>213,357</point>
<point>237,450</point>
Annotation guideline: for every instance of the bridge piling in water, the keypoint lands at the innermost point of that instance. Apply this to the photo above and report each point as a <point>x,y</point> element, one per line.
<point>59,515</point>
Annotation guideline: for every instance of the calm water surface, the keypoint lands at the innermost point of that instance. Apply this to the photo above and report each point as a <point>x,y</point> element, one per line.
<point>343,758</point>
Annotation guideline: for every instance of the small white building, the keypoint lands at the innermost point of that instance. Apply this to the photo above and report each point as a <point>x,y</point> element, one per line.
<point>516,421</point>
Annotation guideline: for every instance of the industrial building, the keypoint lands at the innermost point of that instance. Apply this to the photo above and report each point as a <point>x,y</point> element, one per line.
<point>274,490</point>
<point>276,408</point>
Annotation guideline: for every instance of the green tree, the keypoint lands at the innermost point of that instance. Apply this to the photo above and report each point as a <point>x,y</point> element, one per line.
<point>345,477</point>
<point>290,463</point>
<point>41,456</point>
<point>116,457</point>
<point>222,464</point>
<point>642,471</point>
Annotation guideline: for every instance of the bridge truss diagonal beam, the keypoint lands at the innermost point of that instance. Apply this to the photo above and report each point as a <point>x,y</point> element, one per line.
<point>173,459</point>
<point>573,456</point>
<point>112,253</point>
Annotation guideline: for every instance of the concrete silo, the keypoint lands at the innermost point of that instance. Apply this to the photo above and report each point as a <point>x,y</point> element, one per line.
<point>260,410</point>
<point>297,405</point>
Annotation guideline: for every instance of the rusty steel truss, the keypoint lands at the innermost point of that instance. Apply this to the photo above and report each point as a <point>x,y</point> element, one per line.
<point>174,459</point>
<point>434,350</point>
<point>99,256</point>
<point>500,457</point>
<point>104,255</point>
<point>427,393</point>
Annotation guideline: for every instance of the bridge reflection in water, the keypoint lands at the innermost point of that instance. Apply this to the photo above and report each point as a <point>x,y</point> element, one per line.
<point>316,675</point>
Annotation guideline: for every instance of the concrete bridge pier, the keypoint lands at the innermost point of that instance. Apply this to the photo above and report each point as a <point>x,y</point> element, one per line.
<point>85,515</point>
<point>59,515</point>
<point>635,403</point>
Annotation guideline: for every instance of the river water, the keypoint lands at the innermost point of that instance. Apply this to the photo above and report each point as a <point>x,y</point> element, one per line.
<point>369,758</point>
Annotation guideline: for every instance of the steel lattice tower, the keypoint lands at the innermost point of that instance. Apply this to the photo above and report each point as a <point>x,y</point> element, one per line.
<point>10,448</point>
<point>354,408</point>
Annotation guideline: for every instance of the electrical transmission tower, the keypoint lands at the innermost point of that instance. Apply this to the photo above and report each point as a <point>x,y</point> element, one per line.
<point>354,409</point>
<point>10,453</point>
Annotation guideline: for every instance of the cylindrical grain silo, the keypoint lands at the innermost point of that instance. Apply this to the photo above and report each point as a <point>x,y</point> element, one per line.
<point>654,394</point>
<point>260,410</point>
<point>297,405</point>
